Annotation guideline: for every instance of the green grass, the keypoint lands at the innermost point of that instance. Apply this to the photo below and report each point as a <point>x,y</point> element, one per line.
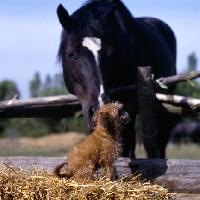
<point>58,144</point>
<point>190,151</point>
<point>184,151</point>
<point>46,152</point>
<point>52,145</point>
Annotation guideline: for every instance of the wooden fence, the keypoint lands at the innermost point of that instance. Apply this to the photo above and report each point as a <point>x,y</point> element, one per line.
<point>58,107</point>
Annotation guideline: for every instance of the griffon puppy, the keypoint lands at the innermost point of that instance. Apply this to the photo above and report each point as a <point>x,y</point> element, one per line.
<point>100,149</point>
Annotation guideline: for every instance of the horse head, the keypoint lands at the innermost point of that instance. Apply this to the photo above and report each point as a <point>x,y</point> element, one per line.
<point>82,50</point>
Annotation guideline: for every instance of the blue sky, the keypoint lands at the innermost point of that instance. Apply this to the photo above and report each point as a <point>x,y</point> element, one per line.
<point>30,34</point>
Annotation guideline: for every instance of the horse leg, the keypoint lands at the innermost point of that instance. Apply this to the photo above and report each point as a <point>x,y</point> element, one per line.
<point>129,139</point>
<point>151,146</point>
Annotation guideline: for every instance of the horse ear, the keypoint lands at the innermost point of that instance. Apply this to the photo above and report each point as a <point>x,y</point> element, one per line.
<point>64,18</point>
<point>106,19</point>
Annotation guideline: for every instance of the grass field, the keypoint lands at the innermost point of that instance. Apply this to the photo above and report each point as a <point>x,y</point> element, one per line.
<point>59,144</point>
<point>51,145</point>
<point>185,151</point>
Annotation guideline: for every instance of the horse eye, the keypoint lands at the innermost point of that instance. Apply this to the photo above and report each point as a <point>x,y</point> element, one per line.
<point>70,55</point>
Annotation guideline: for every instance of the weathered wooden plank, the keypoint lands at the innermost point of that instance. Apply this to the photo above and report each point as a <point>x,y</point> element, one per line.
<point>61,109</point>
<point>176,99</point>
<point>38,101</point>
<point>28,162</point>
<point>187,196</point>
<point>181,176</point>
<point>63,106</point>
<point>180,77</point>
<point>164,80</point>
<point>56,107</point>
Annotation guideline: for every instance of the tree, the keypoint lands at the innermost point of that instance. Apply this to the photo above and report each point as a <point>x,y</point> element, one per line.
<point>192,62</point>
<point>190,88</point>
<point>47,86</point>
<point>8,89</point>
<point>54,86</point>
<point>186,88</point>
<point>35,86</point>
<point>35,127</point>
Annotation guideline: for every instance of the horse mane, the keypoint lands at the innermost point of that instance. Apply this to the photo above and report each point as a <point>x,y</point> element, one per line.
<point>84,21</point>
<point>84,25</point>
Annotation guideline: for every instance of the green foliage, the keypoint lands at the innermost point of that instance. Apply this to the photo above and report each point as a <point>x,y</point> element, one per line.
<point>35,85</point>
<point>53,86</point>
<point>34,127</point>
<point>190,88</point>
<point>75,124</point>
<point>8,89</point>
<point>186,89</point>
<point>30,127</point>
<point>192,62</point>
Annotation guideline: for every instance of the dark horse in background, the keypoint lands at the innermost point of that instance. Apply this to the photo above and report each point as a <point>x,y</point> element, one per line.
<point>185,132</point>
<point>102,45</point>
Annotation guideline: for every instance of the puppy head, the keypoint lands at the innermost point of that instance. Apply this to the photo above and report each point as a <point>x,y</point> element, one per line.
<point>111,116</point>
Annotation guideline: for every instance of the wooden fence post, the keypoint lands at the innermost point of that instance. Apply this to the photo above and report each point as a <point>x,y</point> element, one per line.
<point>147,120</point>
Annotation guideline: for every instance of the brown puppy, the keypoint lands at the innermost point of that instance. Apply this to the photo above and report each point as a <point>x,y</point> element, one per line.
<point>100,149</point>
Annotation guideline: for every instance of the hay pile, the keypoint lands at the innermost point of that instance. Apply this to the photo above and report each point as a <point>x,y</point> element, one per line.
<point>42,184</point>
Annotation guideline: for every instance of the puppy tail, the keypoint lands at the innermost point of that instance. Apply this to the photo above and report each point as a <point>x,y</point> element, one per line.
<point>57,171</point>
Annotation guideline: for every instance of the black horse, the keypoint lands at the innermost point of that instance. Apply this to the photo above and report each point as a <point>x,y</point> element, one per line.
<point>102,45</point>
<point>185,132</point>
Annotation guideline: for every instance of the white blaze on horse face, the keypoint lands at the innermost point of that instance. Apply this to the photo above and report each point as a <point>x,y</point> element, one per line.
<point>94,45</point>
<point>101,103</point>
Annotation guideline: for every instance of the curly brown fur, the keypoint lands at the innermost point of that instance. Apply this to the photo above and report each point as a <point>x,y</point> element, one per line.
<point>100,149</point>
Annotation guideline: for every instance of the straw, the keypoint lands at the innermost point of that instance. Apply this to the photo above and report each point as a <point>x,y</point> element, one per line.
<point>15,183</point>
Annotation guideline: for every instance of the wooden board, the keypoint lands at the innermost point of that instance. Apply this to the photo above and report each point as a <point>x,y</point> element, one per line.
<point>58,107</point>
<point>179,176</point>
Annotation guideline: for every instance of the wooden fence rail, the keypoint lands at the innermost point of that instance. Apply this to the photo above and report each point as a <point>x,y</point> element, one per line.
<point>58,107</point>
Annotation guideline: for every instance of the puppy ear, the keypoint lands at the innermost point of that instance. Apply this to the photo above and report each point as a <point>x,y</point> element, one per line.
<point>104,119</point>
